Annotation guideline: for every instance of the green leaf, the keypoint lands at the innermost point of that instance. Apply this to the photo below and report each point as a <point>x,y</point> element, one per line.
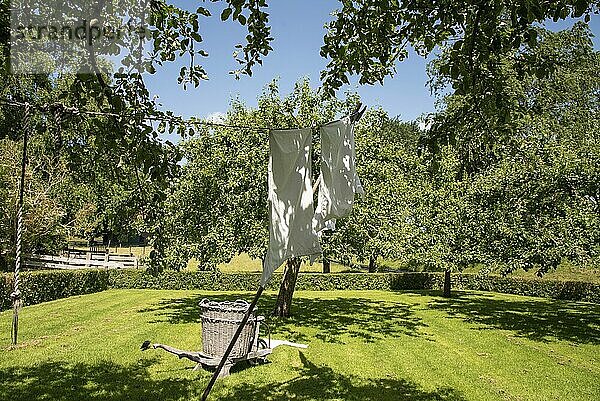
<point>203,11</point>
<point>225,14</point>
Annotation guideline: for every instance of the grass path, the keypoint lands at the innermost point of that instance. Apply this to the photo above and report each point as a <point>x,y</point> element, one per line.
<point>362,346</point>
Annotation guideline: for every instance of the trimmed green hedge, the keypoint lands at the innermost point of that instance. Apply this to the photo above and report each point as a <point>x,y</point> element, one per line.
<point>172,280</point>
<point>49,285</point>
<point>565,290</point>
<point>46,286</point>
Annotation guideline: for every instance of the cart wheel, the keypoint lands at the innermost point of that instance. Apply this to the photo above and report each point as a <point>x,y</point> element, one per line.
<point>260,344</point>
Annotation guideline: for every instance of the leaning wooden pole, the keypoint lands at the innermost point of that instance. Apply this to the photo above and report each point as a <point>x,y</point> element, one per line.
<point>16,294</point>
<point>232,343</point>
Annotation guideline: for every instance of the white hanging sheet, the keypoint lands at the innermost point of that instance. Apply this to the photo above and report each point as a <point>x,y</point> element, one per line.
<point>339,181</point>
<point>291,205</point>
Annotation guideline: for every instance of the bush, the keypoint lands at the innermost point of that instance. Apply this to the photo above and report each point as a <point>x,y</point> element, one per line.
<point>533,287</point>
<point>45,286</point>
<point>184,280</point>
<point>216,281</point>
<point>49,285</point>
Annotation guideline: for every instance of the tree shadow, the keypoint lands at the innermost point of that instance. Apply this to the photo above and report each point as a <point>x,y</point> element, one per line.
<point>104,381</point>
<point>366,319</point>
<point>362,318</point>
<point>107,381</point>
<point>323,383</point>
<point>539,320</point>
<point>175,310</point>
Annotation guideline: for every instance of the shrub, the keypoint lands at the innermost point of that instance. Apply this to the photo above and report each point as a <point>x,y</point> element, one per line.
<point>45,286</point>
<point>215,281</point>
<point>49,285</point>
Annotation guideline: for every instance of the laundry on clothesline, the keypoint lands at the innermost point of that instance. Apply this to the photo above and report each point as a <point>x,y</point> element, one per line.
<point>339,181</point>
<point>290,199</point>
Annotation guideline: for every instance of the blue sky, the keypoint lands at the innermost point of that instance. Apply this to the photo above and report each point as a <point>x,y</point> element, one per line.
<point>297,26</point>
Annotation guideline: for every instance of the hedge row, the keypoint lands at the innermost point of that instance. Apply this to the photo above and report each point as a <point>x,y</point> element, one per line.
<point>43,286</point>
<point>172,280</point>
<point>46,286</point>
<point>566,290</point>
<point>557,289</point>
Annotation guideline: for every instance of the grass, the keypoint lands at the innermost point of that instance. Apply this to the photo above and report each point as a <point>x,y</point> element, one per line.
<point>362,346</point>
<point>565,271</point>
<point>568,272</point>
<point>243,263</point>
<point>137,251</point>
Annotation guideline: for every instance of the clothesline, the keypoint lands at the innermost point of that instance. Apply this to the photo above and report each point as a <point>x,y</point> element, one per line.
<point>339,186</point>
<point>164,118</point>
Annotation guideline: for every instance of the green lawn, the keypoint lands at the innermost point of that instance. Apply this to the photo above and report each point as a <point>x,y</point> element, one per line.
<point>244,264</point>
<point>565,271</point>
<point>362,346</point>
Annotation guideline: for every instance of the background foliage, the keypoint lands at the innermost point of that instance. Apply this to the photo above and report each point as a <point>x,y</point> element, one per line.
<point>505,175</point>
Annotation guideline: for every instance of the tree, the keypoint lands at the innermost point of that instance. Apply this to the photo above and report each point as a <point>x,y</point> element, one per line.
<point>387,164</point>
<point>117,163</point>
<point>218,207</point>
<point>96,176</point>
<point>44,231</point>
<point>528,189</point>
<point>549,176</point>
<point>368,37</point>
<point>489,48</point>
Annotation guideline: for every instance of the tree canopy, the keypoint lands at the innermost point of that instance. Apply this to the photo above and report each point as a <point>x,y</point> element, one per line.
<point>507,172</point>
<point>528,165</point>
<point>368,37</point>
<point>218,207</point>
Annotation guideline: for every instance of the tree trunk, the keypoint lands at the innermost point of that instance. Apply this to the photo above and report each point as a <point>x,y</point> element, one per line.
<point>326,265</point>
<point>283,307</point>
<point>447,284</point>
<point>325,242</point>
<point>372,265</point>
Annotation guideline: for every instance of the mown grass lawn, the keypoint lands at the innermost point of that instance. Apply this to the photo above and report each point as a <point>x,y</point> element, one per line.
<point>242,263</point>
<point>362,346</point>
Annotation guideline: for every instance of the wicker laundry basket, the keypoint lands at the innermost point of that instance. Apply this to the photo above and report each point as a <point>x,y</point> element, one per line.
<point>220,320</point>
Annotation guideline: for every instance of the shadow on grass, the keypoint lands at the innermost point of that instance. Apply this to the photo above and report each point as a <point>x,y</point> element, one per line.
<point>111,382</point>
<point>60,381</point>
<point>539,320</point>
<point>362,318</point>
<point>323,383</point>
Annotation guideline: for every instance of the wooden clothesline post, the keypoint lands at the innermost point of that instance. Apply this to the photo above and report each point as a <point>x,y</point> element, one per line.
<point>354,117</point>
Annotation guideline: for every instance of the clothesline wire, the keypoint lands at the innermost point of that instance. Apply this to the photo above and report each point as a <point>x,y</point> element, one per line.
<point>166,118</point>
<point>173,119</point>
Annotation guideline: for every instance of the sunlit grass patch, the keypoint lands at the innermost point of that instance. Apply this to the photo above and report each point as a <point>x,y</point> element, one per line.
<point>363,345</point>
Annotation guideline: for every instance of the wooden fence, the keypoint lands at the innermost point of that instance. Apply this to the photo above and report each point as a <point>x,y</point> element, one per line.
<point>81,260</point>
